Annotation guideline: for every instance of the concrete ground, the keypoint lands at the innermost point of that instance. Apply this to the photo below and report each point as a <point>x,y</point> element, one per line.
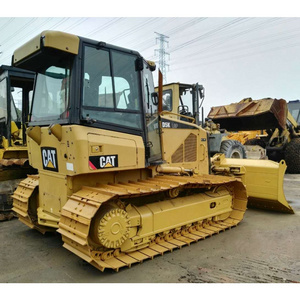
<point>265,247</point>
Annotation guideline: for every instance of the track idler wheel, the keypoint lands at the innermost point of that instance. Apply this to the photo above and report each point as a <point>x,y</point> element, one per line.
<point>111,227</point>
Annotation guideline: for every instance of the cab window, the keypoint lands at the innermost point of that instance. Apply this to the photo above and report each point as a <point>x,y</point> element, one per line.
<point>111,90</point>
<point>167,100</point>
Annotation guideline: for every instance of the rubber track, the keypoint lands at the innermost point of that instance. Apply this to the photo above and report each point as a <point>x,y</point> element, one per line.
<point>82,206</point>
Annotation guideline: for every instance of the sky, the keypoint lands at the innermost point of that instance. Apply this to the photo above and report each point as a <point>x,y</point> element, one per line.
<point>234,53</point>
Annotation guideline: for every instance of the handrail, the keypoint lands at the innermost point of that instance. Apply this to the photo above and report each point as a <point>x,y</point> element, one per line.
<point>178,115</point>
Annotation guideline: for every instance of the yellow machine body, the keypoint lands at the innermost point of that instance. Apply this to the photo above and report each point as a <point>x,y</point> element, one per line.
<point>118,192</point>
<point>118,216</point>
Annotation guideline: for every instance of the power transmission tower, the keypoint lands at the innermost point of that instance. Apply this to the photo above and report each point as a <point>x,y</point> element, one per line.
<point>162,54</point>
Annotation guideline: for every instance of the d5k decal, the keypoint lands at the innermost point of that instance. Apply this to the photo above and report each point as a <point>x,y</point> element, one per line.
<point>103,161</point>
<point>49,159</point>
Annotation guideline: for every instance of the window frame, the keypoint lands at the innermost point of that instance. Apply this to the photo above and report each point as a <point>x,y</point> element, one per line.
<point>5,80</point>
<point>110,125</point>
<point>71,59</point>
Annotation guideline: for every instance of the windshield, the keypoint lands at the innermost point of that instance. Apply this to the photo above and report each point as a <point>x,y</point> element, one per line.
<point>295,114</point>
<point>294,108</point>
<point>111,92</point>
<point>51,95</point>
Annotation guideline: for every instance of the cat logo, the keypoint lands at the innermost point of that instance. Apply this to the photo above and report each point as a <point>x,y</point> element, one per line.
<point>103,161</point>
<point>49,159</point>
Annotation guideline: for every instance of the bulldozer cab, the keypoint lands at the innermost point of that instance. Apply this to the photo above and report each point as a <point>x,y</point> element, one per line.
<point>16,87</point>
<point>94,84</point>
<point>184,100</point>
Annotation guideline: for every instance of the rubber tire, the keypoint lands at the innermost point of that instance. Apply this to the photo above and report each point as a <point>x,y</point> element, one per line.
<point>256,142</point>
<point>292,156</point>
<point>233,149</point>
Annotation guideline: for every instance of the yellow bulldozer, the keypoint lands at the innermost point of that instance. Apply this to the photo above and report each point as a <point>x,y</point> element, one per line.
<point>119,178</point>
<point>16,86</point>
<point>272,116</point>
<point>186,100</point>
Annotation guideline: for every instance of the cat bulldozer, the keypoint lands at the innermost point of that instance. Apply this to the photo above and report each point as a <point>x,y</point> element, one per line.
<point>118,179</point>
<point>16,86</point>
<point>271,116</point>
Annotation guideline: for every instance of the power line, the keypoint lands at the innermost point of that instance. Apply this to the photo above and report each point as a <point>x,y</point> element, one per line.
<point>104,26</point>
<point>219,42</point>
<point>227,39</point>
<point>6,24</point>
<point>18,31</point>
<point>77,23</point>
<point>146,44</point>
<point>247,45</point>
<point>297,44</point>
<point>25,37</point>
<point>186,25</point>
<point>208,34</point>
<point>135,28</point>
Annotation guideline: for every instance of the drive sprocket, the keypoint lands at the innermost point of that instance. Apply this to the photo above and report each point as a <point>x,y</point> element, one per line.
<point>112,227</point>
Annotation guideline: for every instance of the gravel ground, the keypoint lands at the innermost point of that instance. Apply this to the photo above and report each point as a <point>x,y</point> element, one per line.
<point>264,248</point>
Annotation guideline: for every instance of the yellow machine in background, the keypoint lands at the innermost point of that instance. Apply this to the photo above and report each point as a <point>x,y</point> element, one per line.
<point>119,179</point>
<point>245,136</point>
<point>184,99</point>
<point>272,116</point>
<point>15,88</point>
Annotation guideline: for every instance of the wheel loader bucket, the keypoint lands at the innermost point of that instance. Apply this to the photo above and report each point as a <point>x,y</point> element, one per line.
<point>263,180</point>
<point>251,114</point>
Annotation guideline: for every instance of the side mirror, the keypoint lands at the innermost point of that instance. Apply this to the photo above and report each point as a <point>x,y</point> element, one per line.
<point>139,64</point>
<point>154,98</point>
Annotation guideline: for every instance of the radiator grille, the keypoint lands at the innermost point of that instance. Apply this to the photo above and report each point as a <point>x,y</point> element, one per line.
<point>190,148</point>
<point>187,151</point>
<point>177,157</point>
